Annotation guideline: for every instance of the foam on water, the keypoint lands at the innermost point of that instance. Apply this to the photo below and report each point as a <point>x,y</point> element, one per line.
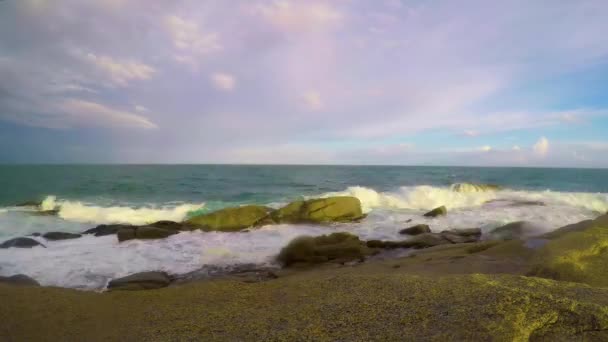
<point>89,262</point>
<point>82,212</point>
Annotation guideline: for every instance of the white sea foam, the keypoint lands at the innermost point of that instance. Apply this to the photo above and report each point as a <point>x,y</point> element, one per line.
<point>83,212</point>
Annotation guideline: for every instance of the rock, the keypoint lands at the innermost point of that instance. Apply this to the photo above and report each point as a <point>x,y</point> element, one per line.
<point>19,280</point>
<point>336,247</point>
<point>515,230</point>
<point>416,230</point>
<point>230,219</point>
<point>144,233</point>
<point>171,225</point>
<point>140,281</point>
<point>462,235</point>
<point>106,229</point>
<point>465,232</point>
<point>60,236</point>
<point>437,212</point>
<point>320,210</point>
<point>425,241</point>
<point>575,255</point>
<point>21,242</point>
<point>36,234</point>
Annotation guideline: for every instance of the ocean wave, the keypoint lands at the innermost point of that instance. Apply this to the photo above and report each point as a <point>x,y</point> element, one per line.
<point>85,213</point>
<point>426,197</point>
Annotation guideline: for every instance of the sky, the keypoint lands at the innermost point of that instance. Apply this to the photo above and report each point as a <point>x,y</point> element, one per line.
<point>399,82</point>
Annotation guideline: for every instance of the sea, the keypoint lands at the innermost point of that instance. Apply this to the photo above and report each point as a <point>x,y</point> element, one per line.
<point>394,197</point>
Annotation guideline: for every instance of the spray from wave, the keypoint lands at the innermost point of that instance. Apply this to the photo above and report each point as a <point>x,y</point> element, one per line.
<point>85,213</point>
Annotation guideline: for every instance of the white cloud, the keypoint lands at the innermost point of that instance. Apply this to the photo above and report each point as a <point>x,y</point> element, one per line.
<point>140,109</point>
<point>516,148</point>
<point>293,16</point>
<point>471,133</point>
<point>121,72</point>
<point>76,112</point>
<point>190,40</point>
<point>486,148</point>
<point>541,147</point>
<point>223,81</point>
<point>313,100</point>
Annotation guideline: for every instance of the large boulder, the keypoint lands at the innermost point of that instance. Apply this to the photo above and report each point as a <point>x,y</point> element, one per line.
<point>140,281</point>
<point>20,242</point>
<point>336,247</point>
<point>230,219</point>
<point>416,230</point>
<point>19,280</point>
<point>60,236</point>
<point>576,255</point>
<point>144,233</point>
<point>320,210</point>
<point>440,211</point>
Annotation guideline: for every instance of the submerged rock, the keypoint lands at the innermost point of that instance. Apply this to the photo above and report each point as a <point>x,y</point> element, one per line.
<point>60,236</point>
<point>416,230</point>
<point>19,280</point>
<point>440,211</point>
<point>140,281</point>
<point>336,247</point>
<point>144,233</point>
<point>230,219</point>
<point>20,242</point>
<point>320,210</point>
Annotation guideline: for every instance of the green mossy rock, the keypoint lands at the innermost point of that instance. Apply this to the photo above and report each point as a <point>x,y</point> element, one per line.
<point>577,256</point>
<point>441,211</point>
<point>335,305</point>
<point>230,219</point>
<point>320,210</point>
<point>313,250</point>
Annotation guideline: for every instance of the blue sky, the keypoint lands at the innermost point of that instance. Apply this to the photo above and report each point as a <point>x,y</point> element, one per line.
<point>510,83</point>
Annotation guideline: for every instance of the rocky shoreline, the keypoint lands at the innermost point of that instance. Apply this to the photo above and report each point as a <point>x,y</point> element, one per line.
<point>509,284</point>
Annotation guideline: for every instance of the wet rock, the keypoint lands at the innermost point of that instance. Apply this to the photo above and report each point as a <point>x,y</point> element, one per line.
<point>106,229</point>
<point>336,247</point>
<point>60,236</point>
<point>29,204</point>
<point>19,280</point>
<point>416,230</point>
<point>20,242</point>
<point>440,211</point>
<point>144,233</point>
<point>515,230</point>
<point>140,281</point>
<point>462,235</point>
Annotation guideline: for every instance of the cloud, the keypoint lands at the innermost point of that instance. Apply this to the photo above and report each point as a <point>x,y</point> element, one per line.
<point>312,99</point>
<point>84,113</point>
<point>299,16</point>
<point>120,73</point>
<point>471,133</point>
<point>223,81</point>
<point>541,147</point>
<point>486,148</point>
<point>190,41</point>
<point>516,148</point>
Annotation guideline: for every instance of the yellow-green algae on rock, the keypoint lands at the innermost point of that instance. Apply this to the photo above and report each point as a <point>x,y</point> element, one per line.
<point>579,255</point>
<point>320,210</point>
<point>230,219</point>
<point>322,305</point>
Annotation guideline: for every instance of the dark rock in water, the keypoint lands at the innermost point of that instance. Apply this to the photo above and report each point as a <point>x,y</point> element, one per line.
<point>19,280</point>
<point>140,281</point>
<point>21,242</point>
<point>416,230</point>
<point>247,273</point>
<point>424,241</point>
<point>36,234</point>
<point>336,247</point>
<point>171,225</point>
<point>29,204</point>
<point>60,236</point>
<point>437,212</point>
<point>106,229</point>
<point>465,232</point>
<point>457,238</point>
<point>427,240</point>
<point>144,233</point>
<point>515,230</point>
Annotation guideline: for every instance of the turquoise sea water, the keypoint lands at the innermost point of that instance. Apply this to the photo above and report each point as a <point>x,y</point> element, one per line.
<point>394,197</point>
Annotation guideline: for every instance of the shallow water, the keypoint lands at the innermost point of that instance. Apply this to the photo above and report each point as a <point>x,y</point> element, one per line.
<point>91,195</point>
